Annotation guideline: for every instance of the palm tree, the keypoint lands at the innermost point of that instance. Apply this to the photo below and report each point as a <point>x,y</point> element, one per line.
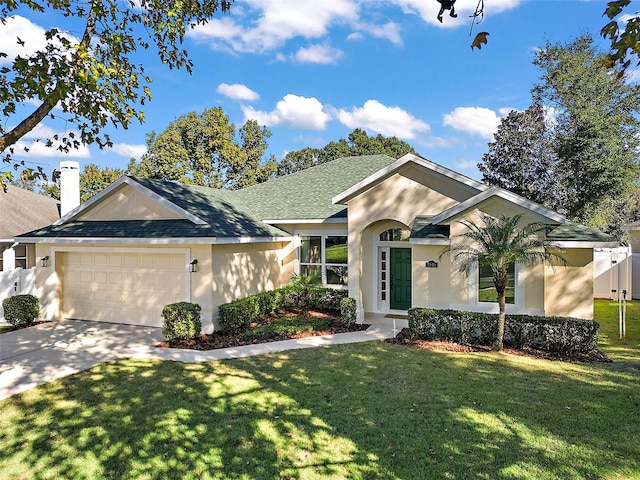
<point>499,244</point>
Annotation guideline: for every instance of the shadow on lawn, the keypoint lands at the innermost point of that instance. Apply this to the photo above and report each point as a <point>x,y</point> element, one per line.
<point>357,411</point>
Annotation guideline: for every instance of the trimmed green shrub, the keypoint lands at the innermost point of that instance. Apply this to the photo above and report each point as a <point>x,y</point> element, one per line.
<point>269,302</point>
<point>238,315</point>
<point>21,310</point>
<point>555,334</point>
<point>287,326</point>
<point>348,311</point>
<point>181,320</point>
<point>326,299</point>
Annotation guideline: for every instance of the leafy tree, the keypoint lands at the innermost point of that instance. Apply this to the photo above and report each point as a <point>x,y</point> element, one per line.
<point>357,143</point>
<point>582,159</point>
<point>203,150</point>
<point>94,78</point>
<point>625,43</point>
<point>93,180</point>
<point>521,157</point>
<point>597,129</point>
<point>500,243</point>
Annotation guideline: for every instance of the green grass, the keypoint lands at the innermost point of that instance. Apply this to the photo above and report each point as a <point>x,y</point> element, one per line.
<point>5,329</point>
<point>371,410</point>
<point>607,314</point>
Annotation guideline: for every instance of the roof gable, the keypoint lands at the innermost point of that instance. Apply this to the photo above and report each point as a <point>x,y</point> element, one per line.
<point>477,201</point>
<point>410,159</point>
<point>128,199</point>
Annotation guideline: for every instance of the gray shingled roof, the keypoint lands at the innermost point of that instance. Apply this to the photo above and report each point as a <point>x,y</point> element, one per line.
<point>307,194</point>
<point>23,211</point>
<point>232,214</point>
<point>421,227</point>
<point>576,232</point>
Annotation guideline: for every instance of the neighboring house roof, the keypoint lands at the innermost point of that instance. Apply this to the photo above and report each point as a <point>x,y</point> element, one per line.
<point>23,211</point>
<point>307,194</point>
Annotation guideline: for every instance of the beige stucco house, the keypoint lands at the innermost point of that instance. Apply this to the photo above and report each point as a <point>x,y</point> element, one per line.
<point>373,225</point>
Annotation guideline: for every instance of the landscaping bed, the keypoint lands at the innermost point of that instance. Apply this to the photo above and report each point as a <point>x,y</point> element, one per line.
<point>270,328</point>
<point>404,338</point>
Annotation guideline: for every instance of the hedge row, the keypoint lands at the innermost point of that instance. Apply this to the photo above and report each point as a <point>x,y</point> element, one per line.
<point>239,314</point>
<point>554,334</point>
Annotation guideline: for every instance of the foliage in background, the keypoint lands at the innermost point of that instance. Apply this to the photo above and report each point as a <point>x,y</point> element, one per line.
<point>21,310</point>
<point>203,150</point>
<point>576,148</point>
<point>357,143</point>
<point>78,75</point>
<point>93,180</point>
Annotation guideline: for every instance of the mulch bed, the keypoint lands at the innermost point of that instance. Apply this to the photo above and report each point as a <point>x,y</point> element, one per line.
<point>594,356</point>
<point>217,340</point>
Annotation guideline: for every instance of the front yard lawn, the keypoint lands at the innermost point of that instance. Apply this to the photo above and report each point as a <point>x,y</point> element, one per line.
<point>371,410</point>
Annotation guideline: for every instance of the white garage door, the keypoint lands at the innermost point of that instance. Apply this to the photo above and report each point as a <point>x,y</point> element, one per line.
<point>120,287</point>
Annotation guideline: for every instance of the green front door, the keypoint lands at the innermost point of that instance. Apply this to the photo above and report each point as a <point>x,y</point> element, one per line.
<point>400,278</point>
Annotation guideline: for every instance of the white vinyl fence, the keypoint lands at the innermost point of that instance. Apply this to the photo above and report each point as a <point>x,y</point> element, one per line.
<point>612,272</point>
<point>16,282</point>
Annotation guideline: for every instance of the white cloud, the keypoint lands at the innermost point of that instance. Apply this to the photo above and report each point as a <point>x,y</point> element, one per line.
<point>474,120</point>
<point>388,121</point>
<point>19,28</point>
<point>20,36</point>
<point>293,110</point>
<point>504,111</point>
<point>40,150</point>
<point>389,31</point>
<point>237,91</point>
<point>324,54</point>
<point>428,10</point>
<point>266,25</point>
<point>128,150</point>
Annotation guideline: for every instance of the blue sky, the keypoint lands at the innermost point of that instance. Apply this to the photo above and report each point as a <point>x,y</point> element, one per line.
<point>312,71</point>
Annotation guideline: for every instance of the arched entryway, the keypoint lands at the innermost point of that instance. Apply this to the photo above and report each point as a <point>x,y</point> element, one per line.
<point>387,267</point>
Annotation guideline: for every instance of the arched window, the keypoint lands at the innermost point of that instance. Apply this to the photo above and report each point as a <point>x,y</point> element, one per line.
<point>395,235</point>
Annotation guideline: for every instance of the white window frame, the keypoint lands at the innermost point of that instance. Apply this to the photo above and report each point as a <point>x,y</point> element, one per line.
<point>492,307</point>
<point>301,235</point>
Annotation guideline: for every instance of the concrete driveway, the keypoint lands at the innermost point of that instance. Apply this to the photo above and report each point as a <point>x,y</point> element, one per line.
<point>52,350</point>
<point>43,353</point>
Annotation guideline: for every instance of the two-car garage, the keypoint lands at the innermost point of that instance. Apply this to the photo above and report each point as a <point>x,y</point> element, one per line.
<point>121,286</point>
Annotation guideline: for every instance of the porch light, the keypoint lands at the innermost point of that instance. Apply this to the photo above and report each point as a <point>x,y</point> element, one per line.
<point>193,265</point>
<point>44,261</point>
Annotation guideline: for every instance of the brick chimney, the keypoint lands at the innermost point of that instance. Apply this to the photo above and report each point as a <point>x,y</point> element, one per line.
<point>69,186</point>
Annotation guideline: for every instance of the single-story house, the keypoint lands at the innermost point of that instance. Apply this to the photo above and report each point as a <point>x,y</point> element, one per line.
<point>370,224</point>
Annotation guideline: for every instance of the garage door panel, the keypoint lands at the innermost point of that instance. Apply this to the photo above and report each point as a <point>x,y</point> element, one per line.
<point>121,287</point>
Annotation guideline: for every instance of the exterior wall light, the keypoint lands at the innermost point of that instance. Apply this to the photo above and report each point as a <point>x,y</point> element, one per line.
<point>44,261</point>
<point>193,265</point>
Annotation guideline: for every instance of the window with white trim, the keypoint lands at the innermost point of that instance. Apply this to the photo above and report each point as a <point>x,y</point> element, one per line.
<point>324,257</point>
<point>487,291</point>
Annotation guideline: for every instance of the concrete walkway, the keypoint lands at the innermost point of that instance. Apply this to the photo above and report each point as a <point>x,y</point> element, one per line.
<point>52,350</point>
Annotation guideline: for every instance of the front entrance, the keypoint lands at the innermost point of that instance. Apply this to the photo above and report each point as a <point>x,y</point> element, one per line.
<point>400,278</point>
